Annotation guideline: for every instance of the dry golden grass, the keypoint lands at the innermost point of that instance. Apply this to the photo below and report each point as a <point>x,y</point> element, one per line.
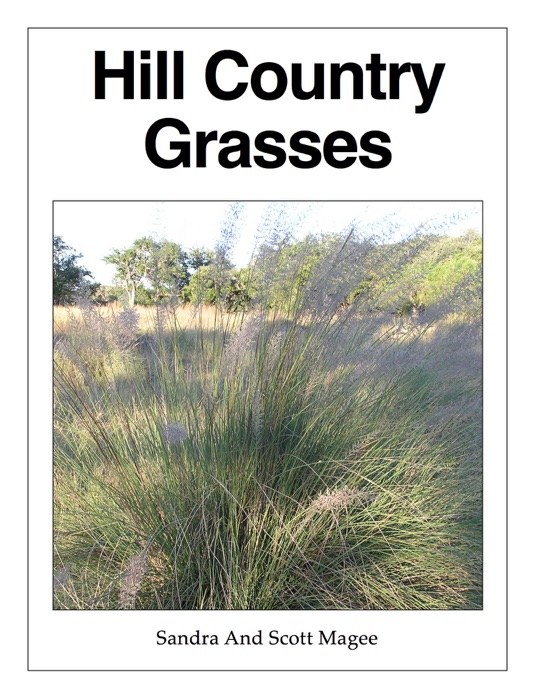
<point>184,317</point>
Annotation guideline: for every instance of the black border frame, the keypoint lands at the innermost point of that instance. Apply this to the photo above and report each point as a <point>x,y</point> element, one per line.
<point>29,30</point>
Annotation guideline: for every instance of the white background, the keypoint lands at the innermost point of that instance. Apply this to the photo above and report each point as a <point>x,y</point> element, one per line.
<point>82,148</point>
<point>487,147</point>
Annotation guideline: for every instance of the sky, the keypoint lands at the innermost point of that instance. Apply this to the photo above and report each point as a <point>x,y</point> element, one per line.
<point>95,228</point>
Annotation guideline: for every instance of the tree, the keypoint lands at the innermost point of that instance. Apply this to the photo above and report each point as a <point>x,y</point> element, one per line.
<point>168,268</point>
<point>69,278</point>
<point>238,294</point>
<point>199,257</point>
<point>131,267</point>
<point>164,266</point>
<point>232,293</point>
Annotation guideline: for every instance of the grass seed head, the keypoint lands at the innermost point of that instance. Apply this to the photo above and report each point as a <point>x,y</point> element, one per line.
<point>341,498</point>
<point>174,433</point>
<point>334,499</point>
<point>131,581</point>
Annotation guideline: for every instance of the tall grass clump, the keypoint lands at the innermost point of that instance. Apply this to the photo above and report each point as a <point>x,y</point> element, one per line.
<point>316,454</point>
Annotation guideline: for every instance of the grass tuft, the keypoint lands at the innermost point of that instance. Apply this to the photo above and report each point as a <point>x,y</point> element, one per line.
<point>322,456</point>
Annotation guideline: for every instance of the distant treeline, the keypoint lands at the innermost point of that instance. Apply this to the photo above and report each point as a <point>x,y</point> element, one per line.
<point>408,276</point>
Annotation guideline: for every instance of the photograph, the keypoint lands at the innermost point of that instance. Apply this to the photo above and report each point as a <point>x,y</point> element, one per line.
<point>267,405</point>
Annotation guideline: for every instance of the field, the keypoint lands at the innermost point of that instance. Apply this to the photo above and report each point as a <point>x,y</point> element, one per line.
<point>302,456</point>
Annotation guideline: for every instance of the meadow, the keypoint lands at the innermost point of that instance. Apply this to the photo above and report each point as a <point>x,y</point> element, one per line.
<point>323,453</point>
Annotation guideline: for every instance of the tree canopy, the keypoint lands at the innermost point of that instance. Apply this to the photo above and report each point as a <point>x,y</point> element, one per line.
<point>154,271</point>
<point>69,278</point>
<point>327,270</point>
